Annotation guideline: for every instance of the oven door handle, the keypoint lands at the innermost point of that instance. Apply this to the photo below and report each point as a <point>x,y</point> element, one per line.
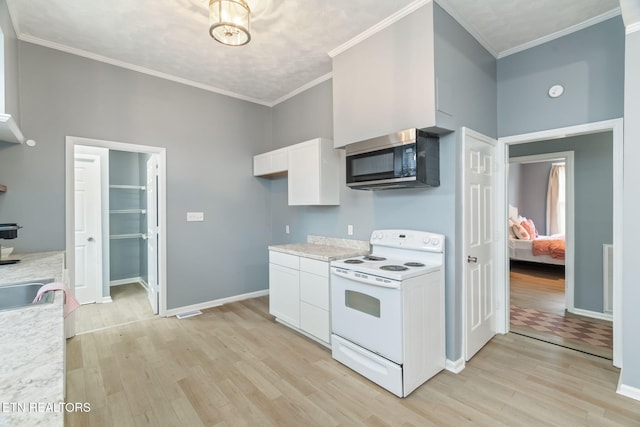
<point>369,280</point>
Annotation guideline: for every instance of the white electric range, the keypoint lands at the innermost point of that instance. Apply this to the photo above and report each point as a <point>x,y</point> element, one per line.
<point>387,309</point>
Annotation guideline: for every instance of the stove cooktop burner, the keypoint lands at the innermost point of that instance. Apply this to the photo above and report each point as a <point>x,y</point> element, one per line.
<point>414,264</point>
<point>353,261</point>
<point>373,258</point>
<point>394,268</point>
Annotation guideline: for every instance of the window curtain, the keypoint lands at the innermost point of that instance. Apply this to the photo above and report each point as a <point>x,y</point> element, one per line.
<point>556,205</point>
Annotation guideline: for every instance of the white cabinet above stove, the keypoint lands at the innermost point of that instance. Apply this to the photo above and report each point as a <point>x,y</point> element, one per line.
<point>387,82</point>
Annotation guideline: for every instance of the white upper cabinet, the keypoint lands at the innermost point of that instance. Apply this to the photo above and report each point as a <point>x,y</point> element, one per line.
<point>387,83</point>
<point>313,169</point>
<point>314,173</point>
<point>271,163</point>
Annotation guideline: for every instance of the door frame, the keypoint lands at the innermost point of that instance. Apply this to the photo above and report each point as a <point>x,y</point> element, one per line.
<point>71,142</point>
<point>616,126</point>
<point>569,270</point>
<point>83,152</point>
<point>499,166</point>
<point>152,214</point>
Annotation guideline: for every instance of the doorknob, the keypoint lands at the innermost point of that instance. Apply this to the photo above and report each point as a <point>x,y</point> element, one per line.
<point>90,239</point>
<point>472,258</point>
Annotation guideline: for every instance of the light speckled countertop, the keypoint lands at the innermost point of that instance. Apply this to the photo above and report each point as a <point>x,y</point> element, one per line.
<point>33,348</point>
<point>324,248</point>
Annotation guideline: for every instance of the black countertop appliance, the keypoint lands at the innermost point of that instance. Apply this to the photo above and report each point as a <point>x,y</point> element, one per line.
<point>9,231</point>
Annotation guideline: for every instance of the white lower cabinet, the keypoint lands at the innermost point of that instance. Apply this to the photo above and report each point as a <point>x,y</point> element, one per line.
<point>284,294</point>
<point>299,294</point>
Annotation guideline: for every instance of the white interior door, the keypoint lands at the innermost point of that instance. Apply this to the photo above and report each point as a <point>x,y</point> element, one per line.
<point>152,231</point>
<point>479,240</point>
<point>88,274</point>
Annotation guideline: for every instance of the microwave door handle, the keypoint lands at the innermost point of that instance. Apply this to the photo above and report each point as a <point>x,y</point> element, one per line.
<point>392,284</point>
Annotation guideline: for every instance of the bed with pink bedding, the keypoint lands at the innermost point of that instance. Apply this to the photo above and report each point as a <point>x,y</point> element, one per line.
<point>544,249</point>
<point>525,244</point>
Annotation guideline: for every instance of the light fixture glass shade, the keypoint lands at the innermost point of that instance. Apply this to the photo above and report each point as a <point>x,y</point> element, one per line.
<point>229,22</point>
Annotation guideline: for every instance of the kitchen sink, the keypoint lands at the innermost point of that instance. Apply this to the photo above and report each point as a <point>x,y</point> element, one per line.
<point>18,295</point>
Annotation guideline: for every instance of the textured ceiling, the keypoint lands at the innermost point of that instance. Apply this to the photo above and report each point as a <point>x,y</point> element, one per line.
<point>290,38</point>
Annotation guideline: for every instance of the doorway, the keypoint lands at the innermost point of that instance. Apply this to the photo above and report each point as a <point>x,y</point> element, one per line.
<point>615,128</point>
<point>542,223</point>
<point>133,257</point>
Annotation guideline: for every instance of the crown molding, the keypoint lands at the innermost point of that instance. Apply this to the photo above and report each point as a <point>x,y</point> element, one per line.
<point>302,88</point>
<point>143,70</point>
<point>577,27</point>
<point>467,26</point>
<point>379,26</point>
<point>630,15</point>
<point>632,28</point>
<point>14,21</point>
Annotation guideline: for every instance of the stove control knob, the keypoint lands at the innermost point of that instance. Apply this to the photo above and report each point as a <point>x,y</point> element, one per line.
<point>426,240</point>
<point>435,242</point>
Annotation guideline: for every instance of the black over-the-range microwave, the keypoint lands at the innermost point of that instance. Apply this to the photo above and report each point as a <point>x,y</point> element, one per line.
<point>410,158</point>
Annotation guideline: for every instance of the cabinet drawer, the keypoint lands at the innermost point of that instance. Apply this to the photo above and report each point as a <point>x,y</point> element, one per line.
<point>314,321</point>
<point>320,268</point>
<point>286,260</point>
<point>314,290</point>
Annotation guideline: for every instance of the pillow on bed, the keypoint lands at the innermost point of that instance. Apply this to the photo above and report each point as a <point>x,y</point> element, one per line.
<point>521,232</point>
<point>531,228</point>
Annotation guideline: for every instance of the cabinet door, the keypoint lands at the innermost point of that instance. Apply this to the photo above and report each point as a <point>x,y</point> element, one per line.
<point>304,173</point>
<point>279,160</point>
<point>314,321</point>
<point>284,294</point>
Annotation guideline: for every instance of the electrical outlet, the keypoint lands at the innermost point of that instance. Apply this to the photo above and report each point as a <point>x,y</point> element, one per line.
<point>286,228</point>
<point>195,216</point>
<point>350,230</point>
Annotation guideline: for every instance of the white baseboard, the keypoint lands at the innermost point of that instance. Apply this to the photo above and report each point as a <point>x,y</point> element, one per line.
<point>627,390</point>
<point>144,283</point>
<point>126,281</point>
<point>455,366</point>
<point>106,300</point>
<point>592,314</point>
<point>215,303</point>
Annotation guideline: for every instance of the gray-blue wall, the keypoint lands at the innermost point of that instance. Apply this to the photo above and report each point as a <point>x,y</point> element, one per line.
<point>308,115</point>
<point>588,63</point>
<point>528,185</point>
<point>593,191</point>
<point>513,185</point>
<point>209,138</point>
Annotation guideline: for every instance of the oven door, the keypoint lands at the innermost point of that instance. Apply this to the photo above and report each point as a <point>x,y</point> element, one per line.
<point>367,314</point>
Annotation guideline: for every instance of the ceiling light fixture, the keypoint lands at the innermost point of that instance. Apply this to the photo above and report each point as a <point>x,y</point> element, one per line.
<point>229,22</point>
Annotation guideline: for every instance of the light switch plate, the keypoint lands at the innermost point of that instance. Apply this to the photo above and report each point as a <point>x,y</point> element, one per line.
<point>195,216</point>
<point>350,230</point>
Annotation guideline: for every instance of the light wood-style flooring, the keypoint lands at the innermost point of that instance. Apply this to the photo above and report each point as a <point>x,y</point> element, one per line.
<point>538,286</point>
<point>542,287</point>
<point>235,366</point>
<point>129,305</point>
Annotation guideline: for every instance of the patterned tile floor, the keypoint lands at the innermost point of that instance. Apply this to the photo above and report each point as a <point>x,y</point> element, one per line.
<point>566,327</point>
